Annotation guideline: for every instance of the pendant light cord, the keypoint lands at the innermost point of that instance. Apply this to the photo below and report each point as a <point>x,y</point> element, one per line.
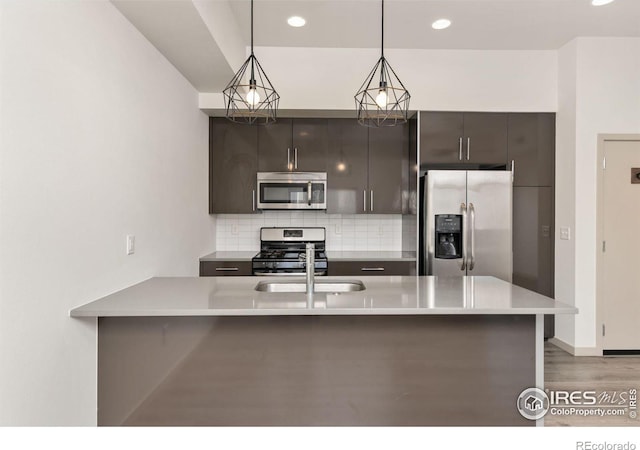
<point>252,81</point>
<point>252,27</point>
<point>382,37</point>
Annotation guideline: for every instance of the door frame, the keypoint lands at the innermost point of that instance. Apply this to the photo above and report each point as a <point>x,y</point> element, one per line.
<point>602,141</point>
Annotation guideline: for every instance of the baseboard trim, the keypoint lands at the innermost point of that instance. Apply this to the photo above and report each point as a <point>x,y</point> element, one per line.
<point>575,351</point>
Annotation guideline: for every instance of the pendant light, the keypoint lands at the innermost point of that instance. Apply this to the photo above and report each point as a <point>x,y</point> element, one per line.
<point>250,97</point>
<point>382,100</point>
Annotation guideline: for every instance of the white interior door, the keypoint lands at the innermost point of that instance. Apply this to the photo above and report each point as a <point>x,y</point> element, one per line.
<point>621,257</point>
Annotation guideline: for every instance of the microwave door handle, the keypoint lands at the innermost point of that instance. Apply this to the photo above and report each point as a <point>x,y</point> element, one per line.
<point>309,192</point>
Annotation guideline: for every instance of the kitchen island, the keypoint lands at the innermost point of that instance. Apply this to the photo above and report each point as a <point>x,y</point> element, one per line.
<point>403,351</point>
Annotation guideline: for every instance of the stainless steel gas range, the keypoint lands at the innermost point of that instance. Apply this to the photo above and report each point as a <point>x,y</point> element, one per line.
<point>282,251</point>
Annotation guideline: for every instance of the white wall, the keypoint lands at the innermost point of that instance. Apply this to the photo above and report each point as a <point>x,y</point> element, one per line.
<point>607,100</point>
<point>565,187</point>
<point>100,137</point>
<point>345,232</point>
<point>454,80</point>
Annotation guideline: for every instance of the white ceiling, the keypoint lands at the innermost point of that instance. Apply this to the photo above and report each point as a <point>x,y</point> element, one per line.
<point>477,24</point>
<point>206,39</point>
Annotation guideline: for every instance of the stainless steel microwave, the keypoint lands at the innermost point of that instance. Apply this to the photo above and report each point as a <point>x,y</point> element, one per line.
<point>292,190</point>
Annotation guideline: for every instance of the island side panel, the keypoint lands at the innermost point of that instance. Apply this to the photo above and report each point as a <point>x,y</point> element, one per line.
<point>135,354</point>
<point>351,370</point>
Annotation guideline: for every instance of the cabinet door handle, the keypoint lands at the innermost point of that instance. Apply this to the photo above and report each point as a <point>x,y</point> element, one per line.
<point>364,200</point>
<point>371,202</point>
<point>372,269</point>
<point>468,147</point>
<point>513,170</point>
<point>460,149</point>
<point>309,193</point>
<point>295,158</point>
<point>253,199</point>
<point>288,158</point>
<point>227,269</point>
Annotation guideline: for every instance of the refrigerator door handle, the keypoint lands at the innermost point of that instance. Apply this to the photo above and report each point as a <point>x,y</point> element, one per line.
<point>463,208</point>
<point>472,216</point>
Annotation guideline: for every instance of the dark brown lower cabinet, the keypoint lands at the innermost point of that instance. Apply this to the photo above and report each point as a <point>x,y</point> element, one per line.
<point>533,256</point>
<point>225,268</point>
<point>372,268</point>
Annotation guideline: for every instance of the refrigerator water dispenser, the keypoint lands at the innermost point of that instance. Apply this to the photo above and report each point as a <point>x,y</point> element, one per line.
<point>448,236</point>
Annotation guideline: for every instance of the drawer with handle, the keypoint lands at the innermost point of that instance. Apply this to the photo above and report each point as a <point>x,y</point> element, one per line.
<point>371,268</point>
<point>225,268</point>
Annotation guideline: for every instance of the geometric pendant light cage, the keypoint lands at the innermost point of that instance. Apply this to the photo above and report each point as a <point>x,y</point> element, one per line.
<point>382,100</point>
<point>250,97</point>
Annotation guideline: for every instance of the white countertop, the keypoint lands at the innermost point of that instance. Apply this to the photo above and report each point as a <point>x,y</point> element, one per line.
<point>406,295</point>
<point>370,256</point>
<point>331,256</point>
<point>230,256</point>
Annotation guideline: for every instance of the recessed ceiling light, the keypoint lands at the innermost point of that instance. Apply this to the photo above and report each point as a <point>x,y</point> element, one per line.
<point>441,24</point>
<point>600,2</point>
<point>296,21</point>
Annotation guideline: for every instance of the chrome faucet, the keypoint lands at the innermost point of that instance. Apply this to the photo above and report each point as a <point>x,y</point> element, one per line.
<point>310,258</point>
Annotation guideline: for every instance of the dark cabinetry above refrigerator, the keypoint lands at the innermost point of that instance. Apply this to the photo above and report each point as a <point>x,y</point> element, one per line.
<point>463,138</point>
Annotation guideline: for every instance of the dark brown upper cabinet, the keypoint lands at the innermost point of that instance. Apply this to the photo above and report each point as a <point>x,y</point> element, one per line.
<point>293,145</point>
<point>532,148</point>
<point>233,162</point>
<point>485,138</point>
<point>367,168</point>
<point>388,169</point>
<point>347,167</point>
<point>441,137</point>
<point>463,138</point>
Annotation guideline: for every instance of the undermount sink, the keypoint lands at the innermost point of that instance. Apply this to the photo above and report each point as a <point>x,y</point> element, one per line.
<point>301,286</point>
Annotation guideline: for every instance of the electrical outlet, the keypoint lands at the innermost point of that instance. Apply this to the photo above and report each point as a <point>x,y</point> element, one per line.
<point>234,229</point>
<point>338,229</point>
<point>131,244</point>
<point>565,233</point>
<point>380,230</point>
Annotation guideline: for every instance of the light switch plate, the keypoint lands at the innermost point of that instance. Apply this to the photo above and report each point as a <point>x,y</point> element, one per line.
<point>131,244</point>
<point>546,231</point>
<point>565,233</point>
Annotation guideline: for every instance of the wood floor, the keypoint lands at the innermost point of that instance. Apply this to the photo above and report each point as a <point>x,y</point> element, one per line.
<point>611,374</point>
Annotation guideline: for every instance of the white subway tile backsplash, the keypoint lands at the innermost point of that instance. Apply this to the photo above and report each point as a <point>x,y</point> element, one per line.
<point>357,232</point>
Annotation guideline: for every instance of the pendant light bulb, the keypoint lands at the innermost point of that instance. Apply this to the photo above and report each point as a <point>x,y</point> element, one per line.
<point>259,103</point>
<point>382,98</point>
<point>253,98</point>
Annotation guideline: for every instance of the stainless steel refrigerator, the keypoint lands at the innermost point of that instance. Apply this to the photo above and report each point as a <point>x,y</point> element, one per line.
<point>466,221</point>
